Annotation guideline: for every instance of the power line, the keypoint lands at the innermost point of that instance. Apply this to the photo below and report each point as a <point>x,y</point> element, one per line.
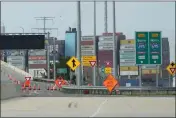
<point>44,19</point>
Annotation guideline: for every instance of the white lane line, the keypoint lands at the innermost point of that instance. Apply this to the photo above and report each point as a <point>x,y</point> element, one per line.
<point>99,108</point>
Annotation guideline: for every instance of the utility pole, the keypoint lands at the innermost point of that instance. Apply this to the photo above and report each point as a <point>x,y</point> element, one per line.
<point>44,19</point>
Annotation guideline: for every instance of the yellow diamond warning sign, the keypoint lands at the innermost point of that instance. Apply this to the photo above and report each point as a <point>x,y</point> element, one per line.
<point>171,68</point>
<point>86,60</point>
<point>73,63</point>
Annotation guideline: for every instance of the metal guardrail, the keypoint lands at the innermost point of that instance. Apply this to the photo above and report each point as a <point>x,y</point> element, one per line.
<point>43,80</point>
<point>101,90</point>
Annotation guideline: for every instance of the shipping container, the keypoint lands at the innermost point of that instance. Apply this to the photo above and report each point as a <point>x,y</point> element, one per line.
<point>127,42</point>
<point>37,61</point>
<point>87,42</point>
<point>105,56</point>
<point>87,38</point>
<point>129,82</point>
<point>87,73</point>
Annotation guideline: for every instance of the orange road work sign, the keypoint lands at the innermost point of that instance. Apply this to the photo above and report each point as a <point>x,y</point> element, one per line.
<point>27,82</point>
<point>110,82</point>
<point>60,81</point>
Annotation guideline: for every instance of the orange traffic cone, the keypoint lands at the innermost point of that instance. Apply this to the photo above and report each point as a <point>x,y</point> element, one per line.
<point>48,87</point>
<point>30,88</point>
<point>38,87</point>
<point>22,88</point>
<point>34,88</point>
<point>54,87</point>
<point>14,81</point>
<point>51,87</point>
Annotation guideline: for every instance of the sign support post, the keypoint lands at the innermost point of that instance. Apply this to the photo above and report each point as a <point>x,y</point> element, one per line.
<point>141,52</point>
<point>48,59</point>
<point>155,51</point>
<point>157,72</point>
<point>140,76</point>
<point>149,51</point>
<point>114,42</point>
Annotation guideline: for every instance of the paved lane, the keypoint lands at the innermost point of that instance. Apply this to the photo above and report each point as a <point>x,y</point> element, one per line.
<point>89,107</point>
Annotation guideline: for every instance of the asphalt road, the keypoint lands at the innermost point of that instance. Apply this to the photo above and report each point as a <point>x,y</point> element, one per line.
<point>89,107</point>
<point>45,103</point>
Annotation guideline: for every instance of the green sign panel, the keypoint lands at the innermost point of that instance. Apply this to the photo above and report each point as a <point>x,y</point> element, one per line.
<point>148,48</point>
<point>142,48</point>
<point>103,69</point>
<point>155,48</point>
<point>62,70</point>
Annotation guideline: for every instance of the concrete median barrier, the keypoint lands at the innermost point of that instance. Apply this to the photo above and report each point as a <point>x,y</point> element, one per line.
<point>9,90</point>
<point>9,74</point>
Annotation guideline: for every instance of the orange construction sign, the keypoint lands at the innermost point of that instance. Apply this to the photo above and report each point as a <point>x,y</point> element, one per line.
<point>27,82</point>
<point>110,82</point>
<point>60,81</point>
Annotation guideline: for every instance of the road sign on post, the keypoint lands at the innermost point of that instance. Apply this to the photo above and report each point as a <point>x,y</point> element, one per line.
<point>155,48</point>
<point>108,70</point>
<point>171,68</point>
<point>61,70</point>
<point>110,82</point>
<point>148,48</point>
<point>87,59</point>
<point>73,63</point>
<point>142,48</point>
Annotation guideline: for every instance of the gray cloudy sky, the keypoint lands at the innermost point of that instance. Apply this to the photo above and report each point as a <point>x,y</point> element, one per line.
<point>130,17</point>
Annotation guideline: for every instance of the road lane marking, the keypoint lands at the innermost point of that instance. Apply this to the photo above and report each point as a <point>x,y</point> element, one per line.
<point>99,108</point>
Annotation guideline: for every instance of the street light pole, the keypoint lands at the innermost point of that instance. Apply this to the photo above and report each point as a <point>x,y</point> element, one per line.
<point>94,43</point>
<point>114,42</point>
<point>79,73</point>
<point>48,56</point>
<point>54,57</point>
<point>26,55</point>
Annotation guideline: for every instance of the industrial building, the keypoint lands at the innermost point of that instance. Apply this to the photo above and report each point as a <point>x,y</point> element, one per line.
<point>70,42</point>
